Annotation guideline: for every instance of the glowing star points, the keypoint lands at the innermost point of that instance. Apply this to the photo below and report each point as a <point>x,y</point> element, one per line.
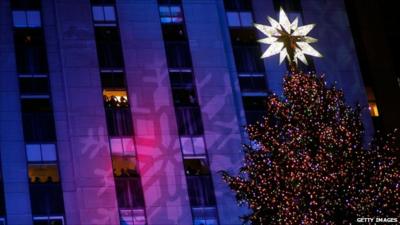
<point>288,39</point>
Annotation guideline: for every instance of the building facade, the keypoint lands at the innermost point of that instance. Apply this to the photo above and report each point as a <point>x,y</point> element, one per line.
<point>123,111</point>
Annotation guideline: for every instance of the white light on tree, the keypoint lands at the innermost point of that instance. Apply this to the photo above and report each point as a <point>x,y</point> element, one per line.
<point>288,39</point>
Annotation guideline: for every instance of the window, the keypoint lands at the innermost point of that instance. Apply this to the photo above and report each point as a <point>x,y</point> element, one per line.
<point>104,13</point>
<point>205,216</point>
<point>174,32</point>
<point>247,59</point>
<point>240,19</point>
<point>132,216</point>
<point>170,14</point>
<point>41,152</point>
<point>184,96</point>
<point>119,122</point>
<point>109,50</point>
<point>33,85</point>
<point>238,5</point>
<point>124,166</point>
<point>246,51</point>
<point>25,4</point>
<point>43,173</point>
<point>167,2</point>
<point>46,199</point>
<point>181,79</point>
<point>189,121</point>
<point>254,107</point>
<point>102,2</point>
<point>118,113</point>
<point>193,146</point>
<point>45,189</point>
<point>31,55</point>
<point>38,122</point>
<point>48,220</point>
<point>27,19</point>
<point>113,80</point>
<point>178,54</point>
<point>115,98</point>
<point>200,187</point>
<point>252,82</point>
<point>288,5</point>
<point>129,192</point>
<point>122,146</point>
<point>373,107</point>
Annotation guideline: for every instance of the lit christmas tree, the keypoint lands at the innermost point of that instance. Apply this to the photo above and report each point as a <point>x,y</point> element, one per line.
<point>306,163</point>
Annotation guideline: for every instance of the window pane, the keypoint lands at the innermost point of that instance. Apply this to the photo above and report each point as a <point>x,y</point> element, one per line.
<point>116,146</point>
<point>246,19</point>
<point>124,166</point>
<point>187,146</point>
<point>31,55</point>
<point>46,199</point>
<point>98,13</point>
<point>113,80</point>
<point>189,121</point>
<point>19,18</point>
<point>181,79</point>
<point>173,32</point>
<point>184,96</point>
<point>164,11</point>
<point>109,49</point>
<point>129,192</point>
<point>33,18</point>
<point>33,152</point>
<point>201,192</point>
<point>252,83</point>
<point>198,144</point>
<point>43,173</point>
<point>33,85</point>
<point>233,19</point>
<point>119,121</point>
<point>49,152</point>
<point>109,13</point>
<point>178,54</point>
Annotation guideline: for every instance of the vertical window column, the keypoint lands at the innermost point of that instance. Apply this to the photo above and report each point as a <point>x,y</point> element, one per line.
<point>188,114</point>
<point>118,114</point>
<point>46,193</point>
<point>246,51</point>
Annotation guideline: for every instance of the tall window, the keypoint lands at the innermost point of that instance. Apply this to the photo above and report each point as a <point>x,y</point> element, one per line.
<point>255,107</point>
<point>246,51</point>
<point>31,55</point>
<point>118,113</point>
<point>109,47</point>
<point>45,190</point>
<point>201,192</point>
<point>127,182</point>
<point>38,121</point>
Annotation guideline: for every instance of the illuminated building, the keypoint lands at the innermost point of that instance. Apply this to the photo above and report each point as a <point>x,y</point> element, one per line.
<point>125,111</point>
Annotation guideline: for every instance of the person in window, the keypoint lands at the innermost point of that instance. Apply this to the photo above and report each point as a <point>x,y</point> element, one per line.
<point>114,101</point>
<point>37,180</point>
<point>123,102</point>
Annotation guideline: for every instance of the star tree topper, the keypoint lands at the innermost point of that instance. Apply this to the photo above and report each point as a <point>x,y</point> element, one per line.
<point>288,39</point>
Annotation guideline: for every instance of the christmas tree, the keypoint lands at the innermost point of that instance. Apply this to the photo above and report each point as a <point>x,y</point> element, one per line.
<point>306,162</point>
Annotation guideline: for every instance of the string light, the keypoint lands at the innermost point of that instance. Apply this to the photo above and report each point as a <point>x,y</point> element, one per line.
<point>310,167</point>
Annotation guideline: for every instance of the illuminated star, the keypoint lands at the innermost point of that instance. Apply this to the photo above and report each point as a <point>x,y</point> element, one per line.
<point>288,39</point>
